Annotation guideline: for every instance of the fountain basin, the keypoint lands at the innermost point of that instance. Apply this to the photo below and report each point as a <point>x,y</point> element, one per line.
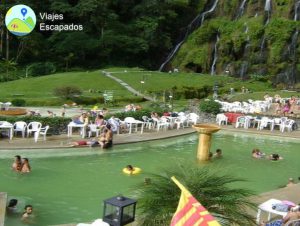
<point>205,134</point>
<point>13,112</point>
<point>206,128</point>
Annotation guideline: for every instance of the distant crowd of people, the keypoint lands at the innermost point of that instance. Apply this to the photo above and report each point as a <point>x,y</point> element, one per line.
<point>284,107</point>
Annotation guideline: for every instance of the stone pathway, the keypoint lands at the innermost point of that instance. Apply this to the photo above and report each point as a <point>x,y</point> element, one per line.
<point>128,87</point>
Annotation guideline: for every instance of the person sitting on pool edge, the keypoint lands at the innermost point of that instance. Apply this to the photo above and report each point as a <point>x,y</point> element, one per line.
<point>275,157</point>
<point>218,153</point>
<point>106,139</point>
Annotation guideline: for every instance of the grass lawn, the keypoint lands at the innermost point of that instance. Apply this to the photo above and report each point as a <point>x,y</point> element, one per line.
<point>158,81</point>
<point>39,90</point>
<point>42,87</point>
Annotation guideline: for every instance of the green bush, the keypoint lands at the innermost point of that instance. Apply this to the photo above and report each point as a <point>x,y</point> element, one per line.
<point>210,106</point>
<point>57,124</point>
<point>43,68</point>
<point>67,92</point>
<point>87,100</point>
<point>135,114</point>
<point>18,102</point>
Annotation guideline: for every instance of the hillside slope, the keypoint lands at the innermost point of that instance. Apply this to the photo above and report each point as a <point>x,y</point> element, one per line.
<point>243,38</point>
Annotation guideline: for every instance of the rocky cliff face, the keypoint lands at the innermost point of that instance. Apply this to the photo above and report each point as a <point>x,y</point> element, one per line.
<point>242,38</point>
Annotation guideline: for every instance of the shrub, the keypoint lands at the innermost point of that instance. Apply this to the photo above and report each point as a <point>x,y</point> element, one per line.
<point>57,124</point>
<point>87,100</point>
<point>18,102</point>
<point>135,114</point>
<point>67,92</point>
<point>210,106</point>
<point>43,68</point>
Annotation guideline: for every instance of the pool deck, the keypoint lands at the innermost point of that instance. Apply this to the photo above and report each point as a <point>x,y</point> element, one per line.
<point>62,141</point>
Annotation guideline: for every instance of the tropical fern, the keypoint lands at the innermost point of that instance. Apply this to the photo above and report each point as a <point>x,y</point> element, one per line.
<point>158,200</point>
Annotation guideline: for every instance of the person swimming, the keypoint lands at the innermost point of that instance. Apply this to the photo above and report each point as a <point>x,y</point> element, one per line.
<point>218,153</point>
<point>275,157</point>
<point>17,164</point>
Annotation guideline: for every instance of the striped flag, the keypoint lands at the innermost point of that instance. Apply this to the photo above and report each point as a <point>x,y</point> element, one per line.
<point>190,212</point>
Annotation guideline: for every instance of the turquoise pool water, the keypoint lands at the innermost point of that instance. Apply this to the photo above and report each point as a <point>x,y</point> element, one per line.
<point>69,185</point>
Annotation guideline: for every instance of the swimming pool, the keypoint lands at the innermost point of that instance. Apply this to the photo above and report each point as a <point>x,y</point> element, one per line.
<point>69,185</point>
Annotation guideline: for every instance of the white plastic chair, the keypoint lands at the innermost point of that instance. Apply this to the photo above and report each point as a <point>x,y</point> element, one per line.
<point>221,118</point>
<point>33,127</point>
<point>277,122</point>
<point>41,131</point>
<point>265,121</point>
<point>161,123</point>
<point>93,129</point>
<point>288,125</point>
<point>240,121</point>
<point>192,118</point>
<point>20,126</point>
<point>148,122</point>
<point>180,121</point>
<point>115,124</point>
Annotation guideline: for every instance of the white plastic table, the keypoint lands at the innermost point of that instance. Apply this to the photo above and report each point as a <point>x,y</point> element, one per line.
<point>267,207</point>
<point>136,123</point>
<point>7,126</point>
<point>72,125</point>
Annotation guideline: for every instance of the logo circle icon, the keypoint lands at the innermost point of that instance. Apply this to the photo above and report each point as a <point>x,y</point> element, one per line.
<point>20,20</point>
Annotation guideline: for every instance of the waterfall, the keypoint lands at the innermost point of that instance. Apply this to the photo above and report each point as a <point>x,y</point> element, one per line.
<point>268,10</point>
<point>262,45</point>
<point>196,23</point>
<point>268,5</point>
<point>213,66</point>
<point>293,46</point>
<point>241,9</point>
<point>243,69</point>
<point>297,4</point>
<point>246,28</point>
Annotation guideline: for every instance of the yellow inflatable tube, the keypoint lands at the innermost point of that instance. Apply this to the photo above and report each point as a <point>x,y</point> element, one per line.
<point>136,170</point>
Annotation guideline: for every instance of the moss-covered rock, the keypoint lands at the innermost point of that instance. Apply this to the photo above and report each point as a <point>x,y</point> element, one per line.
<point>253,36</point>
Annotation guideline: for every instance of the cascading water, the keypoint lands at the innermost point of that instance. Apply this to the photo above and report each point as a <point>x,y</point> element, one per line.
<point>268,11</point>
<point>244,65</point>
<point>213,66</point>
<point>243,70</point>
<point>297,9</point>
<point>262,45</point>
<point>241,9</point>
<point>289,76</point>
<point>196,23</point>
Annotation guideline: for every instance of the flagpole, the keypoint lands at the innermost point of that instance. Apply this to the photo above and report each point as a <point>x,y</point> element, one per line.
<point>182,188</point>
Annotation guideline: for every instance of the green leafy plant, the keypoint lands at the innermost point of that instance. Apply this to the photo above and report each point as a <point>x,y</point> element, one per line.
<point>67,92</point>
<point>43,68</point>
<point>158,200</point>
<point>210,106</point>
<point>18,102</point>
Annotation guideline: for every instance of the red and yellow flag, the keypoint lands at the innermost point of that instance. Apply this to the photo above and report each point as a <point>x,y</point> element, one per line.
<point>190,212</point>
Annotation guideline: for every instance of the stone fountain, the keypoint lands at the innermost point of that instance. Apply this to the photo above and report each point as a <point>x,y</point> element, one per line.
<point>205,133</point>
